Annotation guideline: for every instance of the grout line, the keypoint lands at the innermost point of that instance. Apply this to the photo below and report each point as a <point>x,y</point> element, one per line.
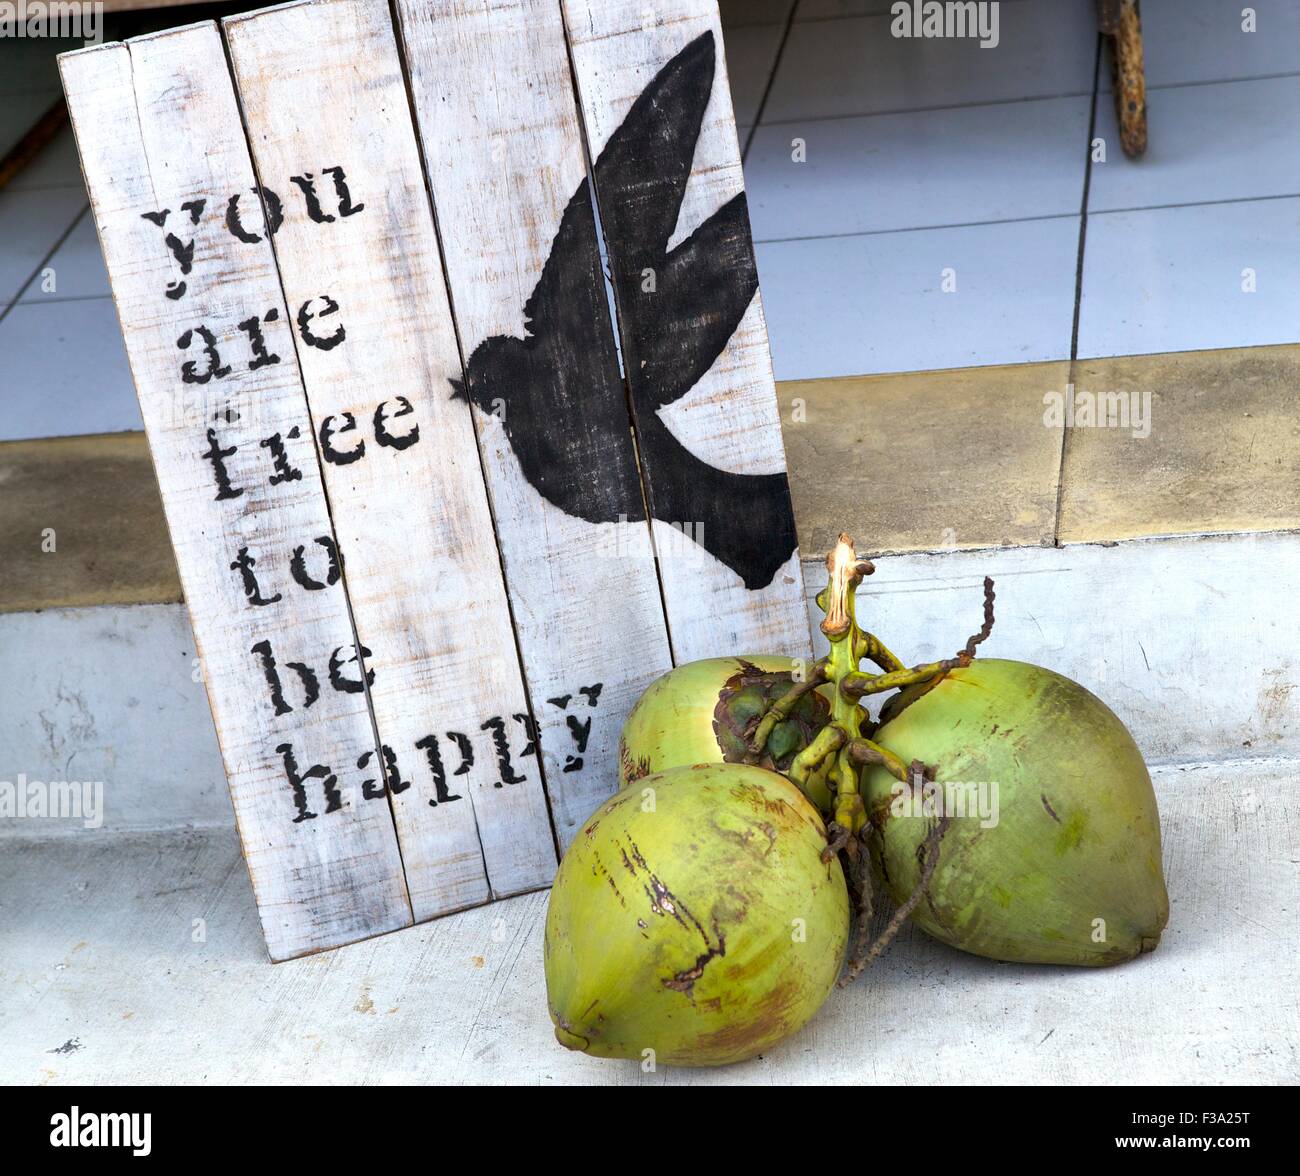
<point>832,16</point>
<point>771,81</point>
<point>1197,203</point>
<point>894,111</point>
<point>1017,220</point>
<point>1170,766</point>
<point>54,299</point>
<point>19,189</point>
<point>40,265</point>
<point>976,104</point>
<point>1010,220</point>
<point>1123,542</point>
<point>1266,77</point>
<point>1078,284</point>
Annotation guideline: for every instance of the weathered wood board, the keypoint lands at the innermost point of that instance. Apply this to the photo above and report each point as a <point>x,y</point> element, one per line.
<point>437,531</point>
<point>208,339</point>
<point>494,107</point>
<point>656,105</point>
<point>398,452</point>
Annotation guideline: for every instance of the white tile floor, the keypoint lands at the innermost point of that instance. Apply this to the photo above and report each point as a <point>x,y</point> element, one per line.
<point>1204,41</point>
<point>32,221</point>
<point>1173,279</point>
<point>922,156</point>
<point>63,370</point>
<point>875,302</point>
<point>918,170</point>
<point>928,135</point>
<point>76,268</point>
<point>854,66</point>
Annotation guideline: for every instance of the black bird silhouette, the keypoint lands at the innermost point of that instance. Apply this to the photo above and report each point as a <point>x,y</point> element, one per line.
<point>558,390</point>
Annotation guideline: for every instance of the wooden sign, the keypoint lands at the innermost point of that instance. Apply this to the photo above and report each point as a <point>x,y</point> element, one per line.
<point>437,529</point>
<point>523,265</point>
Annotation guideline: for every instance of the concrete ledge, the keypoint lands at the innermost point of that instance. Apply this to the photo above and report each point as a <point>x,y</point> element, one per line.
<point>926,461</point>
<point>81,523</point>
<point>1222,454</point>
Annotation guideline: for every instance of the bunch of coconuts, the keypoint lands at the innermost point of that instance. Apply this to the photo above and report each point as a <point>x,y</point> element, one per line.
<point>703,913</point>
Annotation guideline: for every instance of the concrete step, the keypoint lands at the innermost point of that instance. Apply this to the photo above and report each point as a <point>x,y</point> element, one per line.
<point>1192,641</point>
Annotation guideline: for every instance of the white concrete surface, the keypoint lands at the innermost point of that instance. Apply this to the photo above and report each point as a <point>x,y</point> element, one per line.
<point>110,695</point>
<point>1194,641</point>
<point>101,979</point>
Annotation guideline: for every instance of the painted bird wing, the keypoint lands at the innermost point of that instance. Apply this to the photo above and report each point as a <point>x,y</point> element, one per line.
<point>567,309</point>
<point>676,327</point>
<point>743,520</point>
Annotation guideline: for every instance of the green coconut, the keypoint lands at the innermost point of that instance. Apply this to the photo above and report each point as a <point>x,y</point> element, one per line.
<point>693,917</point>
<point>705,711</point>
<point>1053,850</point>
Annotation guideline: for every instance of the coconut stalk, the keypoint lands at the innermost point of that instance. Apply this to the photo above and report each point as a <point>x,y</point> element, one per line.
<point>829,770</point>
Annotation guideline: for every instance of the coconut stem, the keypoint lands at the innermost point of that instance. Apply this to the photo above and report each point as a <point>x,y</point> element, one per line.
<point>865,956</point>
<point>841,629</point>
<point>808,768</point>
<point>857,684</point>
<point>870,648</point>
<point>864,751</point>
<point>909,694</point>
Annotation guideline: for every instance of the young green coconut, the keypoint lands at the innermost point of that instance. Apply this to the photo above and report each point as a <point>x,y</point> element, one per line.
<point>697,916</point>
<point>707,711</point>
<point>1053,854</point>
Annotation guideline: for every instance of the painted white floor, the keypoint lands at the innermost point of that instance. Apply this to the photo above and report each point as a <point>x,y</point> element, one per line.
<point>927,165</point>
<point>140,958</point>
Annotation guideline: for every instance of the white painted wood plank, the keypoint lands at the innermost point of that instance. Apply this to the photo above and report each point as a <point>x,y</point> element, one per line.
<point>321,87</point>
<point>495,114</point>
<point>691,321</point>
<point>158,128</point>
